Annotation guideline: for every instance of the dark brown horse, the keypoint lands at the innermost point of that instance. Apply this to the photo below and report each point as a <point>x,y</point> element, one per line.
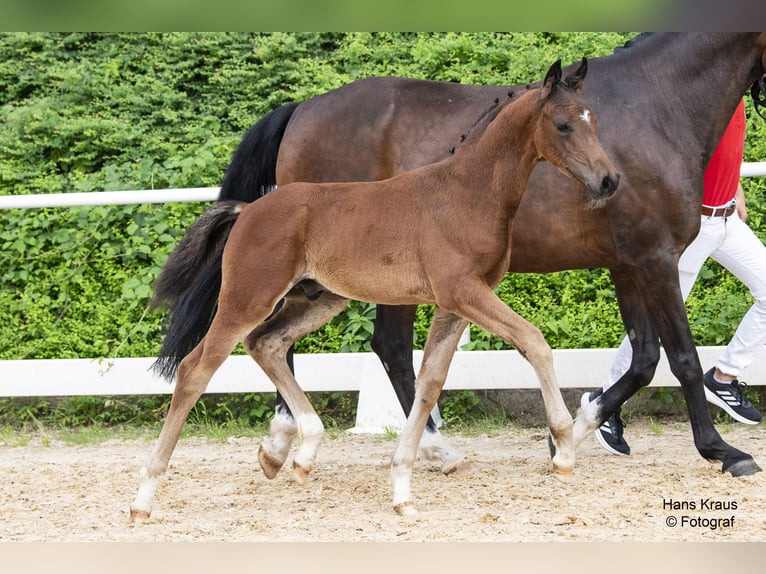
<point>439,234</point>
<point>662,102</point>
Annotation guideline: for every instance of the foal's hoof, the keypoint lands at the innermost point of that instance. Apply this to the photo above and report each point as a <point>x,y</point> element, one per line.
<point>300,473</point>
<point>406,509</point>
<point>461,467</point>
<point>744,467</point>
<point>138,516</point>
<point>269,464</point>
<point>562,474</point>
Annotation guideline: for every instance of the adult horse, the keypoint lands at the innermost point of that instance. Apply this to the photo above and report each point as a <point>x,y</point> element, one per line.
<point>663,103</point>
<point>439,234</point>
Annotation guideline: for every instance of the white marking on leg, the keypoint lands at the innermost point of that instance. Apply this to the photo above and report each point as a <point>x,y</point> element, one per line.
<point>146,490</point>
<point>400,478</point>
<point>585,423</point>
<point>282,431</point>
<point>311,429</point>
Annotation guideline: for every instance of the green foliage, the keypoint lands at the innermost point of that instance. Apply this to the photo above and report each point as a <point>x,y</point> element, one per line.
<point>458,406</point>
<point>573,309</point>
<point>112,111</point>
<point>74,412</point>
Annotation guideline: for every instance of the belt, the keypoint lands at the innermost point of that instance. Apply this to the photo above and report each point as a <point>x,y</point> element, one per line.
<point>718,211</point>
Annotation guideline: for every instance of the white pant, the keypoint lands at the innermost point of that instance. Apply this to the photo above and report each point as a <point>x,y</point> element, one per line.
<point>730,242</point>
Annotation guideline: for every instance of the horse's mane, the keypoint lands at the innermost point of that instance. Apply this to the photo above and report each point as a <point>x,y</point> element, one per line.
<point>484,119</point>
<point>633,41</point>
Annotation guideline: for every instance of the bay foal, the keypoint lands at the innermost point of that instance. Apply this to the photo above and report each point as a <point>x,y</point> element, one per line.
<point>439,234</point>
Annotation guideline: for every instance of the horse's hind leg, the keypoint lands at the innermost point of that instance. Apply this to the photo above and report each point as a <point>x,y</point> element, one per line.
<point>282,431</point>
<point>443,337</point>
<point>268,345</point>
<point>392,342</point>
<point>194,374</point>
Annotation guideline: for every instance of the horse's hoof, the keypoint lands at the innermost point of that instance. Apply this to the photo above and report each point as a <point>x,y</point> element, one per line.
<point>269,465</point>
<point>461,467</point>
<point>138,516</point>
<point>406,509</point>
<point>300,473</point>
<point>744,467</point>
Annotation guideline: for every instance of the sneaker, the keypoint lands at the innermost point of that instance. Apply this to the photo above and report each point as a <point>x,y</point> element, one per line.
<point>731,398</point>
<point>609,434</point>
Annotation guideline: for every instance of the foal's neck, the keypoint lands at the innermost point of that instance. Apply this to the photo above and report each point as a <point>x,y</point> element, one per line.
<point>501,160</point>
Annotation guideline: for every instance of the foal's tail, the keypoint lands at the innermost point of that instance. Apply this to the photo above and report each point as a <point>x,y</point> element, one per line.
<point>190,282</point>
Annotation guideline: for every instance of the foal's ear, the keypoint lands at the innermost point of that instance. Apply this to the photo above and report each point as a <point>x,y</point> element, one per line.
<point>576,80</point>
<point>552,79</point>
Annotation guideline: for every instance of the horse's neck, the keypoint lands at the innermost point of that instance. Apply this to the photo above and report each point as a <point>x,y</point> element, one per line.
<point>696,78</point>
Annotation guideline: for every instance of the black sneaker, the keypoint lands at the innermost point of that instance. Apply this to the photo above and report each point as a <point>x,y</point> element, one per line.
<point>731,398</point>
<point>609,434</point>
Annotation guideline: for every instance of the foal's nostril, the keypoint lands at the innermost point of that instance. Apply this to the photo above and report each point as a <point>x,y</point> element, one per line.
<point>609,184</point>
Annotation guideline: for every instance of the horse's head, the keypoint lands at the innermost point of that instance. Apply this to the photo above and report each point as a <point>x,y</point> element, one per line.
<point>566,133</point>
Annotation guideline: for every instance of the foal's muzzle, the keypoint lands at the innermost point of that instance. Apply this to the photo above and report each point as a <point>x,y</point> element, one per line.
<point>607,187</point>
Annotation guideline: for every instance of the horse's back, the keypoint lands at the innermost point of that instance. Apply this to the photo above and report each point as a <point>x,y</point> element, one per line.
<point>378,127</point>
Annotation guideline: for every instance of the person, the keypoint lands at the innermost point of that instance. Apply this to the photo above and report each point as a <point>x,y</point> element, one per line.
<point>726,238</point>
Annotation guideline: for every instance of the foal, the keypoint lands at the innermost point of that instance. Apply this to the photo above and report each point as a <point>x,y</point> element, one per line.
<point>439,234</point>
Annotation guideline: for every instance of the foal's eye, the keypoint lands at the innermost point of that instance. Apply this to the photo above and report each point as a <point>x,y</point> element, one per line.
<point>562,127</point>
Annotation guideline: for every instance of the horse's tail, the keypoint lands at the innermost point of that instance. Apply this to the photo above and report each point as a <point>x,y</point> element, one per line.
<point>250,175</point>
<point>252,171</point>
<point>191,281</point>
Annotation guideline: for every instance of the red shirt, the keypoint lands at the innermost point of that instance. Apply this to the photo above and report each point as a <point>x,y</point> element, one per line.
<point>722,173</point>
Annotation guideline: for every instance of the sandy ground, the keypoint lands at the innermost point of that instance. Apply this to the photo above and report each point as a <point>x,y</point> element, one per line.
<point>214,491</point>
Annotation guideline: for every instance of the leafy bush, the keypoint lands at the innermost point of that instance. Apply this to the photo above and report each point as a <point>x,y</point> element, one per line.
<point>112,111</point>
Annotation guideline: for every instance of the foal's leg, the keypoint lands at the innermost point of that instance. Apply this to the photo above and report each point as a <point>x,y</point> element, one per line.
<point>282,431</point>
<point>443,337</point>
<point>477,303</point>
<point>392,342</point>
<point>194,374</point>
<point>268,344</point>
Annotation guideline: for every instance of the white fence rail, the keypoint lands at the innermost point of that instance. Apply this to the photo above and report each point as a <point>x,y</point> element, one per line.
<point>750,169</point>
<point>378,408</point>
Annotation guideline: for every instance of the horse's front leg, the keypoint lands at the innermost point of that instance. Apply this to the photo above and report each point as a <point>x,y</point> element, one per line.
<point>477,303</point>
<point>268,344</point>
<point>392,342</point>
<point>665,307</point>
<point>443,337</point>
<point>638,373</point>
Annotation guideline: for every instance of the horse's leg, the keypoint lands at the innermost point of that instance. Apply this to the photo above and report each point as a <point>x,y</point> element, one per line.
<point>443,337</point>
<point>668,314</point>
<point>268,345</point>
<point>282,428</point>
<point>282,431</point>
<point>476,302</point>
<point>392,342</point>
<point>194,374</point>
<point>644,359</point>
